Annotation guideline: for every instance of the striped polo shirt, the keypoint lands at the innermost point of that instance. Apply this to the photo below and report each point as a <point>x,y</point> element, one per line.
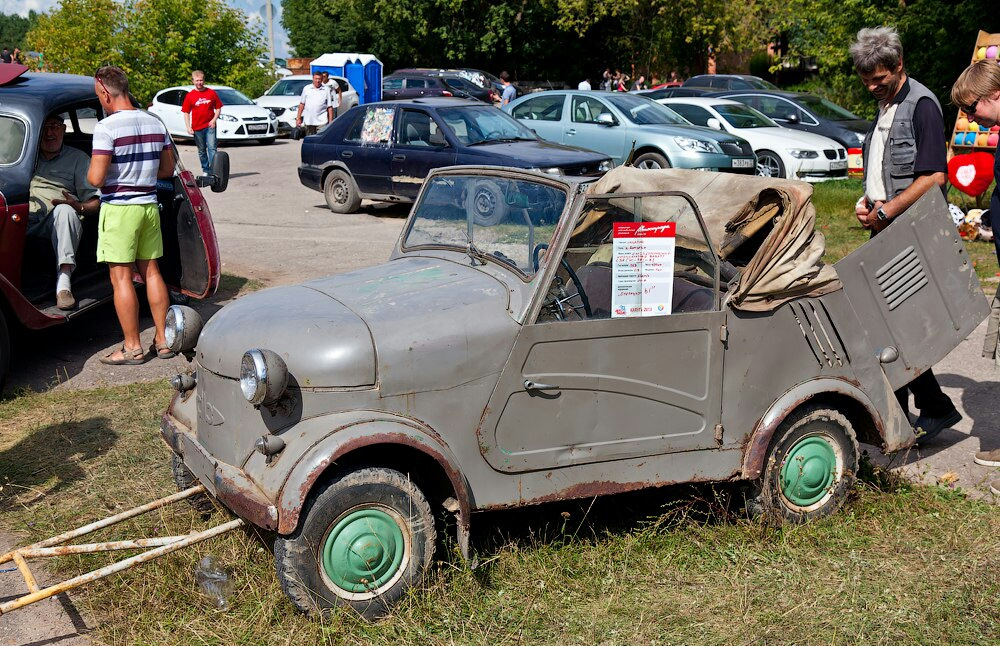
<point>134,139</point>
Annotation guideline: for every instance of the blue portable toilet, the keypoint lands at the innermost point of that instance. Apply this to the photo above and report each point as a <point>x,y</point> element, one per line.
<point>363,71</point>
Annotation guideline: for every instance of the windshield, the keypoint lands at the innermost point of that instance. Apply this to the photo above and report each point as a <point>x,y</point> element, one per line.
<point>233,97</point>
<point>742,116</point>
<point>491,219</point>
<point>474,125</point>
<point>643,111</point>
<point>827,110</point>
<point>288,87</point>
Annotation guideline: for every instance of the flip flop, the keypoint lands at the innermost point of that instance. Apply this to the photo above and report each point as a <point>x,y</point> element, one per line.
<point>158,350</point>
<point>134,357</point>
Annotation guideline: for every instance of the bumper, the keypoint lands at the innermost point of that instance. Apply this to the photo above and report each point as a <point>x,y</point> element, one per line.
<point>227,483</point>
<point>238,131</point>
<point>716,162</point>
<point>311,177</point>
<point>821,170</point>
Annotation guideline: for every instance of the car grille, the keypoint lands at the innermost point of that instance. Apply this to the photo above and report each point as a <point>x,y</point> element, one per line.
<point>582,170</point>
<point>733,148</point>
<point>830,154</point>
<point>255,119</point>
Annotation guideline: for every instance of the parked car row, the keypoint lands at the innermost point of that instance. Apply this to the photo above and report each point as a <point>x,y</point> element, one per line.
<point>240,119</point>
<point>282,99</point>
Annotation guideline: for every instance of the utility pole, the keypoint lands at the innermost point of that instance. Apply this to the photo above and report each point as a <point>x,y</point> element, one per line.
<point>270,31</point>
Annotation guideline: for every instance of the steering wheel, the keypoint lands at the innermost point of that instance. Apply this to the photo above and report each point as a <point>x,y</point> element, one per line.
<point>569,270</point>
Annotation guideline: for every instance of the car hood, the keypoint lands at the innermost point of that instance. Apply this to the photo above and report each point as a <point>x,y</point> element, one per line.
<point>408,325</point>
<point>539,153</point>
<point>786,138</point>
<point>244,111</point>
<point>277,101</point>
<point>698,132</point>
<point>855,125</point>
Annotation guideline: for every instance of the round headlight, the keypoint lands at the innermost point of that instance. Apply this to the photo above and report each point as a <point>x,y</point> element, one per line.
<point>182,328</point>
<point>263,376</point>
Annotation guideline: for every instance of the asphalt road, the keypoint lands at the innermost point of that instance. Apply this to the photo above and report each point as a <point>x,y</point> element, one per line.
<point>273,229</point>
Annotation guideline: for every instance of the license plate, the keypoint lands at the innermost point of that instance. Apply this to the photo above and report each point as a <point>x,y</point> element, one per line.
<point>257,128</point>
<point>838,165</point>
<point>742,163</point>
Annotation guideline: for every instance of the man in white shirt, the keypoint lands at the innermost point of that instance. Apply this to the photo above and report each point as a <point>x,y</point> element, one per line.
<point>584,85</point>
<point>335,93</point>
<point>315,105</point>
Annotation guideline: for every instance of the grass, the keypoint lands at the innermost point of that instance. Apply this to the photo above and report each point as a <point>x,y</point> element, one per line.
<point>900,564</point>
<point>834,203</point>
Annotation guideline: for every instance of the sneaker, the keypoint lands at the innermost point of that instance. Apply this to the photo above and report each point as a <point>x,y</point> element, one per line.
<point>929,427</point>
<point>65,299</point>
<point>995,487</point>
<point>988,458</point>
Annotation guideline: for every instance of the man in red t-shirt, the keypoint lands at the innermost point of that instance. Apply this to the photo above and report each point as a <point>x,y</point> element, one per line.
<point>201,109</point>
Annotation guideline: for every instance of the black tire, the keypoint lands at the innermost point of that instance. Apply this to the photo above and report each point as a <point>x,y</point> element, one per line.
<point>184,479</point>
<point>769,164</point>
<point>651,161</point>
<point>4,351</point>
<point>487,203</point>
<point>340,192</point>
<point>810,467</point>
<point>380,510</point>
<point>267,141</point>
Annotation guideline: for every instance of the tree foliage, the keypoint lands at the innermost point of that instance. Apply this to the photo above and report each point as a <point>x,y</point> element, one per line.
<point>13,28</point>
<point>156,42</point>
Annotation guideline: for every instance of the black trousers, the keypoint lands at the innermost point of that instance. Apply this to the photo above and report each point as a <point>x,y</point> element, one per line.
<point>927,396</point>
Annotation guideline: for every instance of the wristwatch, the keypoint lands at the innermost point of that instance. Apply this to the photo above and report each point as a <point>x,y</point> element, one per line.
<point>881,215</point>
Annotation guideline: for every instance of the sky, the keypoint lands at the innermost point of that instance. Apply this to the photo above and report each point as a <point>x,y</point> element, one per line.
<point>254,9</point>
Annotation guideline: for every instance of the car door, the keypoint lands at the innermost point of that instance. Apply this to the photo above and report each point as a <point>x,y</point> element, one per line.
<point>167,106</point>
<point>583,129</point>
<point>543,114</point>
<point>366,148</point>
<point>392,88</point>
<point>190,263</point>
<point>581,389</point>
<point>420,147</point>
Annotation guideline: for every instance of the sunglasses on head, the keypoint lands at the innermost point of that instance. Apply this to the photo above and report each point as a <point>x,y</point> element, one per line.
<point>971,108</point>
<point>103,86</point>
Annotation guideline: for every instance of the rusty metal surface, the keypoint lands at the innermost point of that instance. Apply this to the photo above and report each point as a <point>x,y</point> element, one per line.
<point>162,546</point>
<point>243,498</point>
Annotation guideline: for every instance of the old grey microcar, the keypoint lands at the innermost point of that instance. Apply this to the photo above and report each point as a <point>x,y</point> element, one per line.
<point>650,327</point>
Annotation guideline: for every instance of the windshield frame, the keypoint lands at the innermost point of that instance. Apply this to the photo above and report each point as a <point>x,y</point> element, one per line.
<point>614,100</point>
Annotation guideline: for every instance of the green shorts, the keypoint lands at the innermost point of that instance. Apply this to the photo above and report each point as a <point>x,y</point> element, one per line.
<point>129,232</point>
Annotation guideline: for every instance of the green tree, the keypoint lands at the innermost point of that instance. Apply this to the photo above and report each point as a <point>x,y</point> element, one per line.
<point>13,28</point>
<point>157,42</point>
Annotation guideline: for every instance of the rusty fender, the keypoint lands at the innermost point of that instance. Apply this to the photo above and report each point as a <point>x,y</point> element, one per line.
<point>385,429</point>
<point>760,438</point>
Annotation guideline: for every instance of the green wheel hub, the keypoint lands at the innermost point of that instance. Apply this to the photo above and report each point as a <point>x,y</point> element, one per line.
<point>809,471</point>
<point>363,551</point>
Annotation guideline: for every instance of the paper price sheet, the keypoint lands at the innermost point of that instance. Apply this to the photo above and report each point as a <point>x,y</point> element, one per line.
<point>642,268</point>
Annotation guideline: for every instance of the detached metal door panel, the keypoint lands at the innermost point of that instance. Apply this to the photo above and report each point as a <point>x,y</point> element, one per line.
<point>913,287</point>
<point>606,390</point>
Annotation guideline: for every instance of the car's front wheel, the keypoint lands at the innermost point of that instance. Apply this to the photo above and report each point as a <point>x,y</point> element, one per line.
<point>769,164</point>
<point>810,467</point>
<point>651,161</point>
<point>366,539</point>
<point>340,193</point>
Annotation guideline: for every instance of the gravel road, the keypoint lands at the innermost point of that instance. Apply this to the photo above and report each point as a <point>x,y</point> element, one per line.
<point>274,230</point>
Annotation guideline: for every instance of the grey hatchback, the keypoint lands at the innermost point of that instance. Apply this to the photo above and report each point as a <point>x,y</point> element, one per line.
<point>613,123</point>
<point>667,326</point>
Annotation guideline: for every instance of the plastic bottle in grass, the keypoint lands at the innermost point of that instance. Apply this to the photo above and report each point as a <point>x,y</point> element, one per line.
<point>214,581</point>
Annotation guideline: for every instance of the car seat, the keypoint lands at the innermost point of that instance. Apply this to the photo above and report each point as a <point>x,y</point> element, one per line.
<point>596,279</point>
<point>582,114</point>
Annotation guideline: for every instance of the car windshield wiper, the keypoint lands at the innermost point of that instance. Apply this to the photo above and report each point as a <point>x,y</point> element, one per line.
<point>474,252</point>
<point>497,140</point>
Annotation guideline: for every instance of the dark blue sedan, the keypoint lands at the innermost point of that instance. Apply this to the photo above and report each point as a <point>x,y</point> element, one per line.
<point>383,151</point>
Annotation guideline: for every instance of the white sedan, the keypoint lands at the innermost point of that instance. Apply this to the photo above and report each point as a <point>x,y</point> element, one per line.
<point>240,119</point>
<point>781,152</point>
<point>283,98</point>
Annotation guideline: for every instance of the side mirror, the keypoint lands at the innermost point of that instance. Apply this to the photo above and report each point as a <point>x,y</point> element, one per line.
<point>218,179</point>
<point>605,119</point>
<point>714,124</point>
<point>792,117</point>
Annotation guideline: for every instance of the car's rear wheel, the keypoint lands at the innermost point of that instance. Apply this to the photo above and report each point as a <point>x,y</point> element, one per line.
<point>769,164</point>
<point>810,467</point>
<point>487,203</point>
<point>366,539</point>
<point>340,192</point>
<point>651,161</point>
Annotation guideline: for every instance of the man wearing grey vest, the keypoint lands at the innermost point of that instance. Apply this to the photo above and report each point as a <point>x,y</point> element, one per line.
<point>904,157</point>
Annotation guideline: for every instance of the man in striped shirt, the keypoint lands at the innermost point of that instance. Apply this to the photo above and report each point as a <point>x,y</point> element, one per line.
<point>131,151</point>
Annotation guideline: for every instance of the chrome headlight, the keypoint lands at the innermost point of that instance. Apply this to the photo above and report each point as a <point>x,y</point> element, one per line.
<point>183,328</point>
<point>227,117</point>
<point>263,376</point>
<point>803,154</point>
<point>694,145</point>
<point>606,165</point>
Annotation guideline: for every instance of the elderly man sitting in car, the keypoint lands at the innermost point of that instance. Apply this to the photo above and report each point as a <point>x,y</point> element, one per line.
<point>60,197</point>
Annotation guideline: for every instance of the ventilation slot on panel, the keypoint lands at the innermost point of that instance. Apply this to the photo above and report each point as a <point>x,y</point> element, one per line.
<point>901,278</point>
<point>819,332</point>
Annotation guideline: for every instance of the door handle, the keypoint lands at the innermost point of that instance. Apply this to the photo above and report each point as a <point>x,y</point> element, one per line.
<point>398,157</point>
<point>534,385</point>
<point>346,154</point>
<point>571,131</point>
